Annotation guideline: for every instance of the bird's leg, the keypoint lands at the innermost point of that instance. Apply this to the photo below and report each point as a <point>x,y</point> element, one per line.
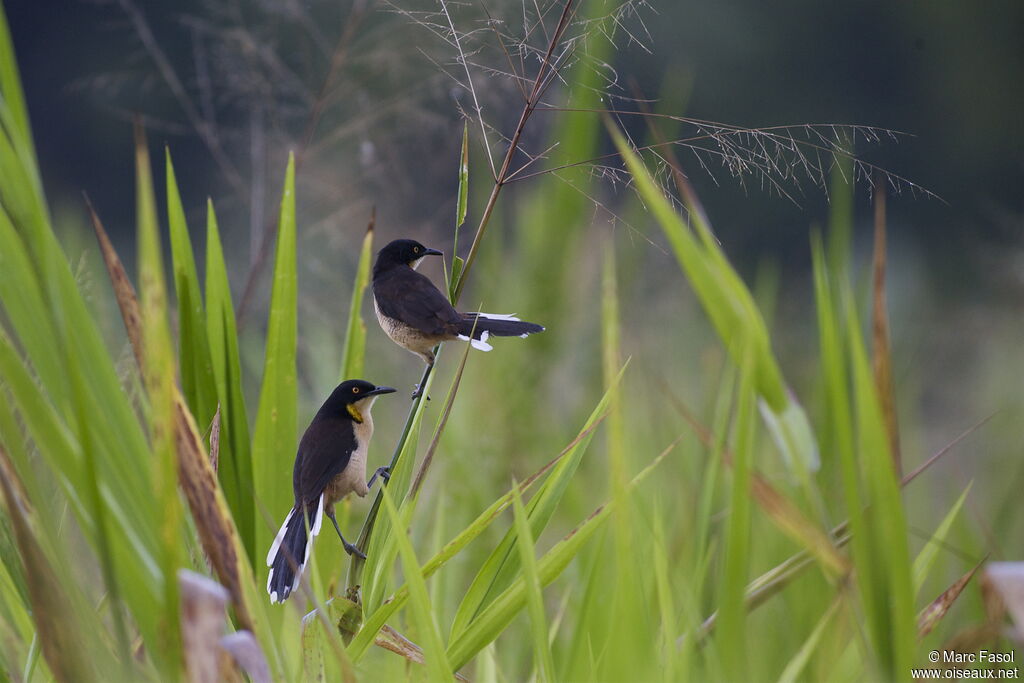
<point>383,472</point>
<point>350,548</point>
<point>418,389</point>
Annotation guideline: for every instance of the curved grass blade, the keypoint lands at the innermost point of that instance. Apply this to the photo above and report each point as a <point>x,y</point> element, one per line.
<point>423,613</point>
<point>355,333</point>
<point>493,620</point>
<point>799,661</point>
<point>732,311</point>
<point>926,558</point>
<point>70,653</point>
<point>461,207</point>
<point>377,618</point>
<point>235,470</point>
<point>158,377</point>
<point>732,613</point>
<point>274,437</point>
<point>194,363</point>
<point>534,599</point>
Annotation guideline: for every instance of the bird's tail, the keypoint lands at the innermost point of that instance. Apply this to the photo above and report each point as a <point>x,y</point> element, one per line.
<point>477,327</point>
<point>289,552</point>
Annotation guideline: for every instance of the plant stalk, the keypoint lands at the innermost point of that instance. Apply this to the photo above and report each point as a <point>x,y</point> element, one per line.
<point>539,85</point>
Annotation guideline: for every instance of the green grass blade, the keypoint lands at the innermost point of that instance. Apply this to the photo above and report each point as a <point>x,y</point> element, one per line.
<point>534,598</point>
<point>14,97</point>
<point>493,620</point>
<point>235,470</point>
<point>665,599</point>
<point>926,558</point>
<point>732,633</point>
<point>503,565</point>
<point>197,379</point>
<point>99,515</point>
<point>274,437</point>
<point>451,549</point>
<point>158,375</point>
<point>894,625</point>
<point>355,332</point>
<point>423,613</point>
<point>463,201</point>
<point>461,207</point>
<point>381,551</point>
<point>71,649</point>
<point>799,661</point>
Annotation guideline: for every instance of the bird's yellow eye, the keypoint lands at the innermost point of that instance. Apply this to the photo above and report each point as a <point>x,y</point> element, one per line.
<point>416,250</point>
<point>355,390</point>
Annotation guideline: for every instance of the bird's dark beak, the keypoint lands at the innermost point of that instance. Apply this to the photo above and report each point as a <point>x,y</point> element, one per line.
<point>380,390</point>
<point>432,252</point>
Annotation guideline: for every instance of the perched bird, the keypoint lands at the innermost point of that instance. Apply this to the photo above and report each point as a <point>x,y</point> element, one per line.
<point>417,316</point>
<point>330,464</point>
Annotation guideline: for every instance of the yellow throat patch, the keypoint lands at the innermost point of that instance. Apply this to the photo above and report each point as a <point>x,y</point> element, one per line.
<point>354,412</point>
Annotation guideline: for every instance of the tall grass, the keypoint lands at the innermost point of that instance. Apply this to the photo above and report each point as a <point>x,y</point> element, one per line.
<point>572,517</point>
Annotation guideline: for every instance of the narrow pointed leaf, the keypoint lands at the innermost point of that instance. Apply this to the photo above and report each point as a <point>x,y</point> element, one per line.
<point>197,378</point>
<point>235,461</point>
<point>274,437</point>
<point>422,612</point>
<point>355,332</point>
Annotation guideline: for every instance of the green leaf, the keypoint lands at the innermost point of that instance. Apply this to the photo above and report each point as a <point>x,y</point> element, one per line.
<point>926,558</point>
<point>534,598</point>
<point>14,99</point>
<point>422,612</point>
<point>891,617</point>
<point>458,263</point>
<point>732,631</point>
<point>379,617</point>
<point>274,439</point>
<point>355,333</point>
<point>197,379</point>
<point>463,203</point>
<point>796,665</point>
<point>493,620</point>
<point>381,551</point>
<point>235,470</point>
<point>158,375</point>
<point>462,206</point>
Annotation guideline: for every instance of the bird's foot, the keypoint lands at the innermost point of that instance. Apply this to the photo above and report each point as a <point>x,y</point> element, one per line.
<point>351,549</point>
<point>383,472</point>
<point>417,392</point>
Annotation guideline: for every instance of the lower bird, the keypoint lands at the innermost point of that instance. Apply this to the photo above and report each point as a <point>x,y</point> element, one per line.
<point>417,316</point>
<point>330,464</point>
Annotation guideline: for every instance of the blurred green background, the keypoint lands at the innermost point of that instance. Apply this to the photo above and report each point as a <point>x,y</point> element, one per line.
<point>231,87</point>
<point>947,74</point>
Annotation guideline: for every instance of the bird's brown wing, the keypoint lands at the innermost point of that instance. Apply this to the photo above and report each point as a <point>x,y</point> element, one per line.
<point>411,298</point>
<point>324,452</point>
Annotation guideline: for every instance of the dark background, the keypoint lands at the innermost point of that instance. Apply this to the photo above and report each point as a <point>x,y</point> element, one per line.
<point>948,74</point>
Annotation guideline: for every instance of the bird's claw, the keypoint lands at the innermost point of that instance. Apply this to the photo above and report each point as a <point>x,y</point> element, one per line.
<point>383,472</point>
<point>351,549</point>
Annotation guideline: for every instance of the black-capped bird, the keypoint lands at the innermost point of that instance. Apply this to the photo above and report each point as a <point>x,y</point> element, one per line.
<point>417,316</point>
<point>330,464</point>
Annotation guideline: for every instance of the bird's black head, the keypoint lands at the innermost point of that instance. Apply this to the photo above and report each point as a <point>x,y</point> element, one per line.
<point>402,253</point>
<point>352,397</point>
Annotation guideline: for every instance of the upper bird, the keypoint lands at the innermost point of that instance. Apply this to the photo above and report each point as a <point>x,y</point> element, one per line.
<point>330,464</point>
<point>417,316</point>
